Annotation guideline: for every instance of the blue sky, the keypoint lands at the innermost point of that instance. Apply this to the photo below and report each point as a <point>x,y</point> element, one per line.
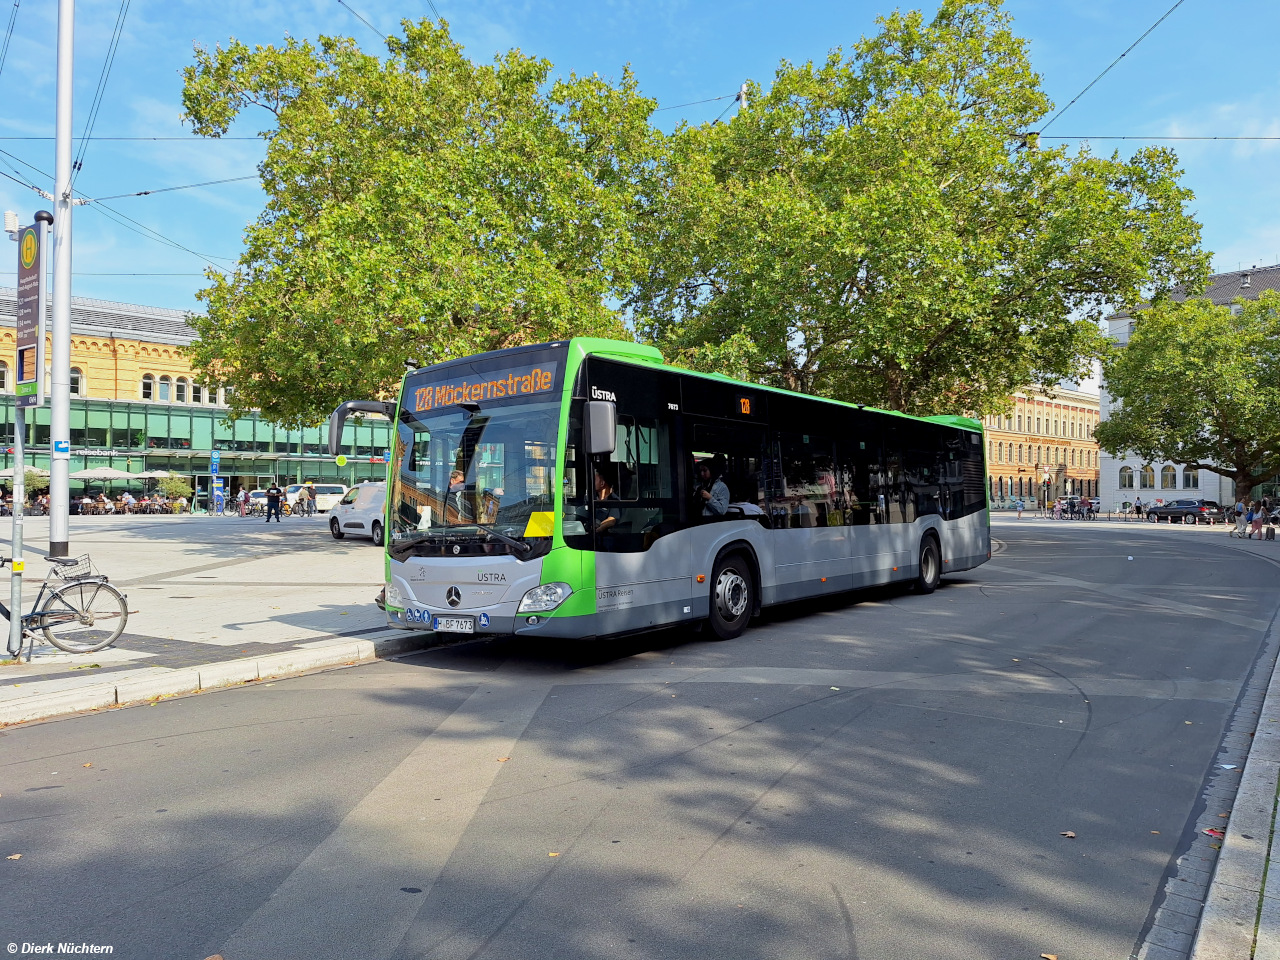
<point>1208,70</point>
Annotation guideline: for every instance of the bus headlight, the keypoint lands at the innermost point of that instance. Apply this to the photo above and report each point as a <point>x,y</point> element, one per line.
<point>544,598</point>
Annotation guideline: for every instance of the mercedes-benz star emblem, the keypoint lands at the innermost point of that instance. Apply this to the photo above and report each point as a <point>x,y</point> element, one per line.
<point>453,596</point>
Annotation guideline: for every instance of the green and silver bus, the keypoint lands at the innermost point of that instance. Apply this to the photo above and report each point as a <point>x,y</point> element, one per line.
<point>585,488</point>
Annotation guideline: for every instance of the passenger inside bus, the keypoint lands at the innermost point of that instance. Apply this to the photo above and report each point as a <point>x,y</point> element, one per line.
<point>712,492</point>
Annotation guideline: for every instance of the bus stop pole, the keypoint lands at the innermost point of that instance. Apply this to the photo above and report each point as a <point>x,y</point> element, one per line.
<point>16,564</point>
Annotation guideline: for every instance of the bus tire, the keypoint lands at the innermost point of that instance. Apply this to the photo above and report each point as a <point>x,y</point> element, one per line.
<point>732,597</point>
<point>335,529</point>
<point>930,564</point>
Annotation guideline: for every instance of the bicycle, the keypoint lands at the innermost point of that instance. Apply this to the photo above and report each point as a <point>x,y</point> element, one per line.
<point>84,613</point>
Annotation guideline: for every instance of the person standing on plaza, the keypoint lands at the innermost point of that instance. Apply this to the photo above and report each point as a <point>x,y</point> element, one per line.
<point>243,499</point>
<point>274,493</point>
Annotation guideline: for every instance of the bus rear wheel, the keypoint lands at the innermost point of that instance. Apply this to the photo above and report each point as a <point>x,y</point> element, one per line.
<point>930,566</point>
<point>732,597</point>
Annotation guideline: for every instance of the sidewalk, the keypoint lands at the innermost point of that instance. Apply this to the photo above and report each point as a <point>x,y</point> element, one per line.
<point>213,601</point>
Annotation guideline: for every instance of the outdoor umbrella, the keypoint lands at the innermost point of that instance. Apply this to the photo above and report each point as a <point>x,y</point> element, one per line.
<point>8,474</point>
<point>101,473</point>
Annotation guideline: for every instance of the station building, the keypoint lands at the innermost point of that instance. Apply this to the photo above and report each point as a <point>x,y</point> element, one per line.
<point>136,406</point>
<point>1126,478</point>
<point>1044,447</point>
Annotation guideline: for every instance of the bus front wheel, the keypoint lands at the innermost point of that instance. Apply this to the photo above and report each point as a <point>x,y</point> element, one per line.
<point>930,566</point>
<point>732,597</point>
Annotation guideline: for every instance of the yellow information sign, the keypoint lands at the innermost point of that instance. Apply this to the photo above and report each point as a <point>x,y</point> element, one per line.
<point>340,461</point>
<point>541,524</point>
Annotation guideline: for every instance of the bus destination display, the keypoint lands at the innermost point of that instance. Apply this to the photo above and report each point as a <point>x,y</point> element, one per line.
<point>510,384</point>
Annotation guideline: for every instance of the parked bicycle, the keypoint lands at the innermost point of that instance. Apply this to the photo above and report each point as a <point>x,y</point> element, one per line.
<point>77,609</point>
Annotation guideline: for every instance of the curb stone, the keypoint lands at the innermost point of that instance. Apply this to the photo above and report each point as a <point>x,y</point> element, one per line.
<point>212,677</point>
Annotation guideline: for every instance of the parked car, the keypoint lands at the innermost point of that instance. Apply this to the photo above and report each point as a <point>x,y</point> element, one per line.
<point>360,512</point>
<point>1186,511</point>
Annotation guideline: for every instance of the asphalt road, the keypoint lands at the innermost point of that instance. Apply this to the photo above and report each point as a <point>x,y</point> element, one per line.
<point>884,777</point>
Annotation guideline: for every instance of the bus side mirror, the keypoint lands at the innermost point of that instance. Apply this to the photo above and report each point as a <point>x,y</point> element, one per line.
<point>385,407</point>
<point>601,423</point>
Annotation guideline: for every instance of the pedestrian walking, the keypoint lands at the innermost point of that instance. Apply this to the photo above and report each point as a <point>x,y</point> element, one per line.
<point>1021,506</point>
<point>274,493</point>
<point>1242,520</point>
<point>1257,515</point>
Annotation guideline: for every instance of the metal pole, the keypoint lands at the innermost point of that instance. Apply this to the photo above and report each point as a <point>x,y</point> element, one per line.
<point>19,493</point>
<point>60,366</point>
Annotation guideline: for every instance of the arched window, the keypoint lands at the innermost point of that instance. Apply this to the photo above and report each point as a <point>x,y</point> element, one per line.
<point>1147,479</point>
<point>4,377</point>
<point>180,390</point>
<point>77,382</point>
<point>1073,456</point>
<point>148,387</point>
<point>1168,478</point>
<point>1190,478</point>
<point>991,451</point>
<point>1019,453</point>
<point>1126,478</point>
<point>166,390</point>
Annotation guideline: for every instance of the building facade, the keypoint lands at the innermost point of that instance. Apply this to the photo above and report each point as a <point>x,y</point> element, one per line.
<point>1043,448</point>
<point>136,406</point>
<point>1125,479</point>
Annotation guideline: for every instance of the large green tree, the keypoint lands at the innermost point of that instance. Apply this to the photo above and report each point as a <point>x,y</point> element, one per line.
<point>882,228</point>
<point>1199,384</point>
<point>420,206</point>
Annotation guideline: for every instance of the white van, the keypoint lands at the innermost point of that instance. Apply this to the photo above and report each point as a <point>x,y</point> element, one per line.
<point>360,512</point>
<point>327,494</point>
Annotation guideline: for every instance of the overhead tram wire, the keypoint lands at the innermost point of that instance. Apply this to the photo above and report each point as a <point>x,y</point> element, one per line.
<point>352,11</point>
<point>96,105</point>
<point>8,34</point>
<point>1109,66</point>
<point>185,186</point>
<point>695,103</point>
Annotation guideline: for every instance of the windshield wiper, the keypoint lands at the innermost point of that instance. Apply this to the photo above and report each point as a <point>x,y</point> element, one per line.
<point>510,541</point>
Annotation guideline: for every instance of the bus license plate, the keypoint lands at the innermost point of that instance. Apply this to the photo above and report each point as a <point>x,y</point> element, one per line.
<point>454,624</point>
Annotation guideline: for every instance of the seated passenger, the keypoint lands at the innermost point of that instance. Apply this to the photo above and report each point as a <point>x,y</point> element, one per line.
<point>712,491</point>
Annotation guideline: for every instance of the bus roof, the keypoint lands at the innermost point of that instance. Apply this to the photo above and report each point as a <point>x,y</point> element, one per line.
<point>652,356</point>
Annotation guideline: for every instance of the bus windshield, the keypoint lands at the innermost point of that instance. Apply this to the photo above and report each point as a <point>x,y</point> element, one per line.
<point>473,479</point>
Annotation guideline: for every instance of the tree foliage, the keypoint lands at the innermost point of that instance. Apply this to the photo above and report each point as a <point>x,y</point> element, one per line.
<point>420,206</point>
<point>881,228</point>
<point>33,482</point>
<point>1199,385</point>
<point>174,486</point>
